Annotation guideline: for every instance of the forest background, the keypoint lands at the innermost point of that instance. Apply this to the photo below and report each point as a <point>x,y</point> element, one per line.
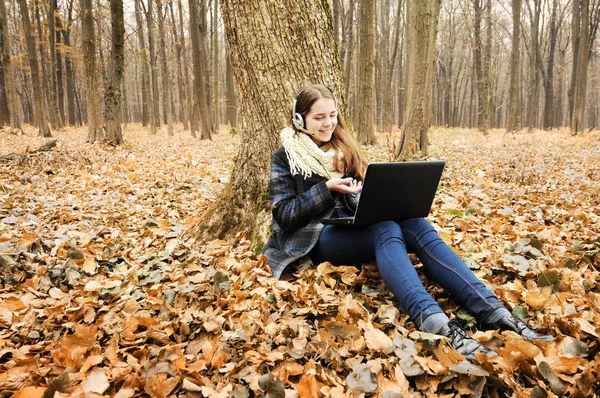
<point>166,113</point>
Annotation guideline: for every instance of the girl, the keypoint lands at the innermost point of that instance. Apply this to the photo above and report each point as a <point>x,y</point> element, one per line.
<point>317,174</point>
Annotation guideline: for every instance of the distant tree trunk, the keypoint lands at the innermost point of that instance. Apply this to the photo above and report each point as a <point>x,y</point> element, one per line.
<point>155,111</point>
<point>73,116</point>
<point>388,79</point>
<point>423,16</point>
<point>579,91</point>
<point>232,106</point>
<point>44,63</point>
<point>146,94</point>
<point>549,87</point>
<point>487,67</point>
<point>12,100</point>
<point>112,96</point>
<point>216,91</point>
<point>95,132</point>
<point>533,98</point>
<point>188,86</point>
<point>365,123</point>
<point>166,83</point>
<point>59,71</point>
<point>267,87</point>
<point>51,21</point>
<point>206,111</point>
<point>181,84</point>
<point>513,120</point>
<point>479,76</point>
<point>200,106</point>
<point>337,17</point>
<point>349,47</point>
<point>39,108</point>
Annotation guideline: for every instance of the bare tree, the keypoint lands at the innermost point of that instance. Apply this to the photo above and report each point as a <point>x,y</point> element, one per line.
<point>146,93</point>
<point>9,72</point>
<point>112,95</point>
<point>513,121</point>
<point>39,107</point>
<point>365,123</point>
<point>422,22</point>
<point>266,87</point>
<point>166,84</point>
<point>200,106</point>
<point>95,132</point>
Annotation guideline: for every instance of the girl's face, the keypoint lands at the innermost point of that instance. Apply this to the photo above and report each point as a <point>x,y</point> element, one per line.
<point>321,120</point>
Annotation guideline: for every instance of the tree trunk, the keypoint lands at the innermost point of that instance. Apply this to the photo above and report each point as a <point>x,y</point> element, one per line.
<point>154,111</point>
<point>39,108</point>
<point>479,77</point>
<point>146,95</point>
<point>12,100</point>
<point>549,83</point>
<point>513,120</point>
<point>232,105</point>
<point>112,96</point>
<point>388,80</point>
<point>487,68</point>
<point>59,71</point>
<point>260,37</point>
<point>181,84</point>
<point>365,123</point>
<point>200,106</point>
<point>95,132</point>
<point>216,93</point>
<point>423,15</point>
<point>579,91</point>
<point>349,52</point>
<point>73,116</point>
<point>166,83</point>
<point>51,21</point>
<point>188,87</point>
<point>533,97</point>
<point>206,111</point>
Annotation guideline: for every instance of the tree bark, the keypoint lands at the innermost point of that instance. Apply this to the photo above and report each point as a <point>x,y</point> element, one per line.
<point>261,36</point>
<point>51,21</point>
<point>200,105</point>
<point>112,95</point>
<point>73,116</point>
<point>477,58</point>
<point>166,83</point>
<point>216,93</point>
<point>39,107</point>
<point>513,120</point>
<point>549,83</point>
<point>155,111</point>
<point>579,91</point>
<point>95,132</point>
<point>422,22</point>
<point>146,95</point>
<point>181,84</point>
<point>365,122</point>
<point>12,101</point>
<point>232,105</point>
<point>188,86</point>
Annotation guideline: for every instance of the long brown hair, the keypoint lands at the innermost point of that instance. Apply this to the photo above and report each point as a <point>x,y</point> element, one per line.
<point>352,163</point>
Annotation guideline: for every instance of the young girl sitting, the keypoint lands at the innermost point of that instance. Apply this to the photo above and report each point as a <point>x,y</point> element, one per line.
<point>316,175</point>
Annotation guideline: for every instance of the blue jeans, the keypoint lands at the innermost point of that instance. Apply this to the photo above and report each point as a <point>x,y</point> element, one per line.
<point>389,243</point>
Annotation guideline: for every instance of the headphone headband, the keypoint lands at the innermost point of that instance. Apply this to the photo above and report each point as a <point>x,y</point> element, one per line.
<point>298,119</point>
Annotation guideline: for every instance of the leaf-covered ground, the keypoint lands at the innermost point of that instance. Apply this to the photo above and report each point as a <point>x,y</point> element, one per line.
<point>99,297</point>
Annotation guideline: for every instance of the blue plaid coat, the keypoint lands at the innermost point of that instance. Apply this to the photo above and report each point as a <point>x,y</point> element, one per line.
<point>298,205</point>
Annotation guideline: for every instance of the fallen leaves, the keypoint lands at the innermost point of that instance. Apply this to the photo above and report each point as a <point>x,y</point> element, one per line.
<point>97,287</point>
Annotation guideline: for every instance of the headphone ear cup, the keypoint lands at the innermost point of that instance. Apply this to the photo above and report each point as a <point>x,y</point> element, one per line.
<point>298,121</point>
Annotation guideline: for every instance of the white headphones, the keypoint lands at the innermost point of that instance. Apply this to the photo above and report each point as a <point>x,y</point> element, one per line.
<point>298,120</point>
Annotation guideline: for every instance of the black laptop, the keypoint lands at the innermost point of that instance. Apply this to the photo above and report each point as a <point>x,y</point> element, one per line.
<point>395,192</point>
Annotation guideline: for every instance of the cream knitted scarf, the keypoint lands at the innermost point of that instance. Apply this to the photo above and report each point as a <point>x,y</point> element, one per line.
<point>305,157</point>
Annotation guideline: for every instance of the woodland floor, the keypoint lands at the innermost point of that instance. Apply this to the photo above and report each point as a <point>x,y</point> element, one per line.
<point>99,297</point>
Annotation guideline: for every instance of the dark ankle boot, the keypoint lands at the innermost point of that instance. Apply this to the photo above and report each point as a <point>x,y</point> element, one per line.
<point>518,326</point>
<point>462,342</point>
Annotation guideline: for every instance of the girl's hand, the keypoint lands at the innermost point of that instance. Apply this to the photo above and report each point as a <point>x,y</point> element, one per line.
<point>344,185</point>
